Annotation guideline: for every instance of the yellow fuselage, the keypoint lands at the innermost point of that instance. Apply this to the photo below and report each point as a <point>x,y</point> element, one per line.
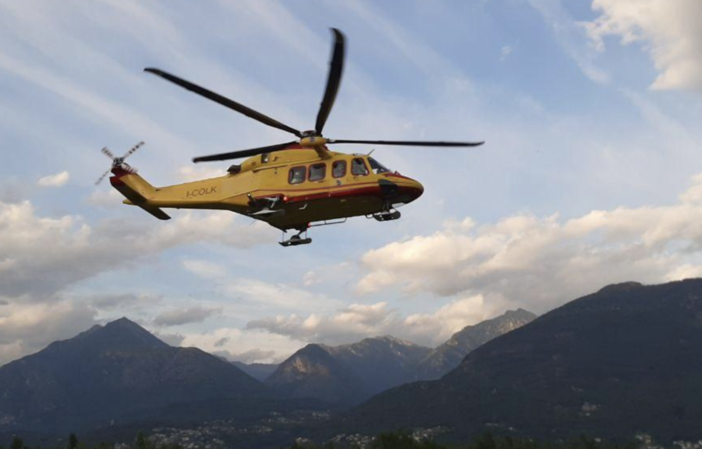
<point>272,188</point>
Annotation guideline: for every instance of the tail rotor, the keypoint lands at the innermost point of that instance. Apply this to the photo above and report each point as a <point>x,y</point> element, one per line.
<point>119,161</point>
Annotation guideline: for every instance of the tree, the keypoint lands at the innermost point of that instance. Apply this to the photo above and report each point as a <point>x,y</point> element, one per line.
<point>72,441</point>
<point>17,443</point>
<point>141,441</point>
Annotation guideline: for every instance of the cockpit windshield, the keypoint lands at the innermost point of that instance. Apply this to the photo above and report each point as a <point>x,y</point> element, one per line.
<point>377,167</point>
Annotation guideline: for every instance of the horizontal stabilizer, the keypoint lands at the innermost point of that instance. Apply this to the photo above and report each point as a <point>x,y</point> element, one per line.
<point>156,212</point>
<point>137,191</point>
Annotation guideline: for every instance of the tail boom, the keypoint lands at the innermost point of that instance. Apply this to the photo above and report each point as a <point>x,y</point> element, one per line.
<point>137,191</point>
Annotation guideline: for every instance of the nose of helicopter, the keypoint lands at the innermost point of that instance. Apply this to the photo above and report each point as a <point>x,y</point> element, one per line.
<point>414,189</point>
<point>401,189</point>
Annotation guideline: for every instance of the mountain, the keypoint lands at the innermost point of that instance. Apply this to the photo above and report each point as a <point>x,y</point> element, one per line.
<point>115,374</point>
<point>382,362</point>
<point>259,371</point>
<point>347,374</point>
<point>313,372</point>
<point>450,354</point>
<point>624,360</point>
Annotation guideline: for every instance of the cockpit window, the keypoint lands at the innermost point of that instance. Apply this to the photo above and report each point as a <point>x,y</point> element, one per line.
<point>377,167</point>
<point>358,167</point>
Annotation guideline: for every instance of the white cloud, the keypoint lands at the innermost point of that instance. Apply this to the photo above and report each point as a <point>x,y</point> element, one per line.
<point>336,276</point>
<point>252,356</point>
<point>57,180</point>
<point>282,296</point>
<point>187,315</point>
<point>540,263</point>
<point>27,328</point>
<point>110,301</point>
<point>168,338</point>
<point>205,269</point>
<point>685,271</point>
<point>191,173</point>
<point>506,51</point>
<point>570,37</point>
<point>43,255</point>
<point>245,345</point>
<point>435,328</point>
<point>669,30</point>
<point>359,321</point>
<point>105,198</point>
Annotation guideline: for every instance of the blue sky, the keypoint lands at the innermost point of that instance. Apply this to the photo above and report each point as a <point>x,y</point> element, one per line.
<point>590,110</point>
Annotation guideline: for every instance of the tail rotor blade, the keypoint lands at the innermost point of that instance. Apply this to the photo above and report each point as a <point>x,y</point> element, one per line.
<point>108,153</point>
<point>336,68</point>
<point>102,177</point>
<point>132,150</point>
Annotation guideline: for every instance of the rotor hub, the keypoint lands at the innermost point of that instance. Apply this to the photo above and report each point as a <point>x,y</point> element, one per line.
<point>313,141</point>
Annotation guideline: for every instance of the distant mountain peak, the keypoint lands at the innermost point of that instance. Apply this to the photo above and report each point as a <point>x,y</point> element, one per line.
<point>347,374</point>
<point>112,373</point>
<point>391,339</point>
<point>314,348</point>
<point>118,335</point>
<point>518,312</point>
<point>448,355</point>
<point>125,330</point>
<point>620,287</point>
<point>124,322</point>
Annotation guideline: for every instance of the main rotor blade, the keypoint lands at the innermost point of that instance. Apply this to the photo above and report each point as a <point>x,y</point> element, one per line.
<point>224,101</point>
<point>409,143</point>
<point>336,67</point>
<point>244,153</point>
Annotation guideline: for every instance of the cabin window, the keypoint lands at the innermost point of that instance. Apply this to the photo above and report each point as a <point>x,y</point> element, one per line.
<point>339,169</point>
<point>297,175</point>
<point>358,167</point>
<point>377,167</point>
<point>317,172</point>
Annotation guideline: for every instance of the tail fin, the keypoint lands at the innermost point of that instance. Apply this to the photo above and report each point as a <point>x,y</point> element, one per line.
<point>137,191</point>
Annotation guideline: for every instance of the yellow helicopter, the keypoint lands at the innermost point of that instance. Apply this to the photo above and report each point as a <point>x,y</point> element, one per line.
<point>293,185</point>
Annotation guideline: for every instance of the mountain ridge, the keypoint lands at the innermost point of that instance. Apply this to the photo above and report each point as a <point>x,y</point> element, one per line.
<point>448,355</point>
<point>612,364</point>
<point>374,364</point>
<point>108,373</point>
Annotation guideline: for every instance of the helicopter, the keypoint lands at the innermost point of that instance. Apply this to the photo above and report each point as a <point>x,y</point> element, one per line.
<point>292,186</point>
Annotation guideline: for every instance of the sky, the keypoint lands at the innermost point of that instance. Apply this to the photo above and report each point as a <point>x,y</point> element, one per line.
<point>591,173</point>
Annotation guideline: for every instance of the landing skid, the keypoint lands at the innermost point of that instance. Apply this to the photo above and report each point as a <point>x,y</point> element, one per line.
<point>388,215</point>
<point>296,240</point>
